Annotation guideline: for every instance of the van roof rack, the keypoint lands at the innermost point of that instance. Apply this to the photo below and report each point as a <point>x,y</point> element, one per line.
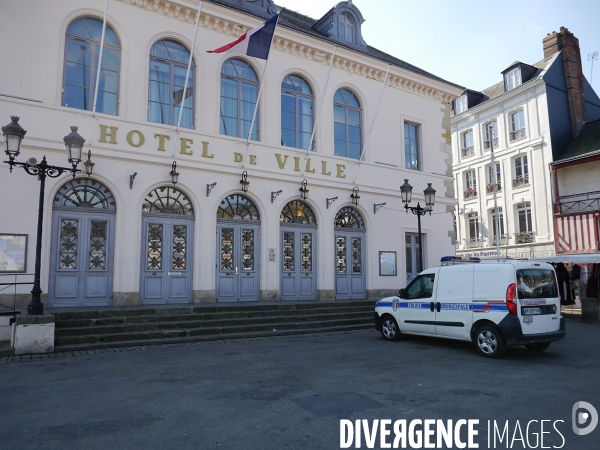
<point>451,260</point>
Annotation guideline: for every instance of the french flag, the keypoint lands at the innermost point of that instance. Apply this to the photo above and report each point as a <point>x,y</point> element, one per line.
<point>256,42</point>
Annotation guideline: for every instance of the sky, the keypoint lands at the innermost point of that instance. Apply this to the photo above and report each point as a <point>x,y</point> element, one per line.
<point>470,42</point>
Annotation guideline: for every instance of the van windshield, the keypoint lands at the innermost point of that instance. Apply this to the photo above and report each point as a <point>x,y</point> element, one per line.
<point>536,283</point>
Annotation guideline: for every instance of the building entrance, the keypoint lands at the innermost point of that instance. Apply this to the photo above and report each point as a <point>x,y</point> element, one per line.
<point>350,270</point>
<point>82,245</point>
<point>167,248</point>
<point>298,248</point>
<point>238,250</point>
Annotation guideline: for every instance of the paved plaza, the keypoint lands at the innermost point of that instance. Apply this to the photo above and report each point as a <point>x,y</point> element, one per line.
<point>290,392</point>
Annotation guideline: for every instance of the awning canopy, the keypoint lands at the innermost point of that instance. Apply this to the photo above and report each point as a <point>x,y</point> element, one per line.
<point>581,258</point>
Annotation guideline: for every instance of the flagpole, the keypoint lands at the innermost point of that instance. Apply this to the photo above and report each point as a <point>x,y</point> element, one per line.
<point>372,123</point>
<point>187,76</point>
<point>98,73</point>
<point>312,136</point>
<point>495,181</point>
<point>258,97</point>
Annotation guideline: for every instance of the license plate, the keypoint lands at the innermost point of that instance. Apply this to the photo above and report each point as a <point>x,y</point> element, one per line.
<point>532,311</point>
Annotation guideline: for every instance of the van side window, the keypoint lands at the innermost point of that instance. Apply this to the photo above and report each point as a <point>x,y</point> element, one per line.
<point>421,287</point>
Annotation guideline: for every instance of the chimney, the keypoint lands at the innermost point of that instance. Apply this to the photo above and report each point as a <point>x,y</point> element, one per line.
<point>566,42</point>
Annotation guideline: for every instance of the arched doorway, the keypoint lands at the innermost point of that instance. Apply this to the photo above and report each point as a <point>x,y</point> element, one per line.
<point>350,271</point>
<point>298,252</point>
<point>238,250</point>
<point>167,247</point>
<point>82,245</point>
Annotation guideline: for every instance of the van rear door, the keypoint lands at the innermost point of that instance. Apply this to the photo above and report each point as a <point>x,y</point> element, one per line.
<point>538,299</point>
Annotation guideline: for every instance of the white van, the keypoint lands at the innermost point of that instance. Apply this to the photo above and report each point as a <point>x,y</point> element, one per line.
<point>493,304</point>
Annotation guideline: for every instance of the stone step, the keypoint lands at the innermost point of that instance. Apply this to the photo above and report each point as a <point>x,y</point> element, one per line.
<point>210,337</point>
<point>194,317</point>
<point>62,315</point>
<point>171,333</point>
<point>198,321</point>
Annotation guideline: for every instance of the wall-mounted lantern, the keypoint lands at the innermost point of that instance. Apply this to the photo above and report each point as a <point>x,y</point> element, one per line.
<point>304,190</point>
<point>355,197</point>
<point>244,181</point>
<point>174,174</point>
<point>89,165</point>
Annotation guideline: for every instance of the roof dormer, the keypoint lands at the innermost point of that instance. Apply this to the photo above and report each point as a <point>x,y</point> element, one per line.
<point>343,23</point>
<point>517,74</point>
<point>468,99</point>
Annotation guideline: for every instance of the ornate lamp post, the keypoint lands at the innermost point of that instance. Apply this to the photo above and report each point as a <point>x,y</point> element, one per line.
<point>429,192</point>
<point>13,135</point>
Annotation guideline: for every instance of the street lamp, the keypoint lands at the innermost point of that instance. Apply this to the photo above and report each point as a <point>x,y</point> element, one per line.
<point>429,193</point>
<point>13,135</point>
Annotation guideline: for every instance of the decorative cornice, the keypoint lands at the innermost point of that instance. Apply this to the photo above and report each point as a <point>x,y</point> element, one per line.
<point>401,79</point>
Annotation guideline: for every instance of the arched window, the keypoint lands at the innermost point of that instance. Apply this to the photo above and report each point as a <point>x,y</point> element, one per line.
<point>346,28</point>
<point>84,193</point>
<point>167,200</point>
<point>297,212</point>
<point>239,93</point>
<point>349,218</point>
<point>237,207</point>
<point>81,65</point>
<point>347,127</point>
<point>296,112</point>
<point>168,67</point>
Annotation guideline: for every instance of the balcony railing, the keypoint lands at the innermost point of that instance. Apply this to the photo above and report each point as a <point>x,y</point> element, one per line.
<point>475,243</point>
<point>469,151</point>
<point>521,181</point>
<point>588,201</point>
<point>518,134</point>
<point>486,144</point>
<point>470,193</point>
<point>524,237</point>
<point>504,240</point>
<point>490,188</point>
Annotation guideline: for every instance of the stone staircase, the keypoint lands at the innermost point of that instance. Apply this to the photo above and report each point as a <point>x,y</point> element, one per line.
<point>124,327</point>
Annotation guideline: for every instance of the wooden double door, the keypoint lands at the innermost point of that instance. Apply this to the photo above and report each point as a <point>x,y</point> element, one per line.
<point>238,262</point>
<point>298,263</point>
<point>81,258</point>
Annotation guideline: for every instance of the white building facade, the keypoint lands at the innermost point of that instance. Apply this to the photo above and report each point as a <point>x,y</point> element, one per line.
<point>531,112</point>
<point>126,235</point>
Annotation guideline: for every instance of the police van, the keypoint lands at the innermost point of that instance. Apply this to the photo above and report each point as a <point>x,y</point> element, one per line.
<point>493,304</point>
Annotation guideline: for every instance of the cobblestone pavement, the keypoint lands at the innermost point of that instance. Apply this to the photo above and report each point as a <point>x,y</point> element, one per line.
<point>290,392</point>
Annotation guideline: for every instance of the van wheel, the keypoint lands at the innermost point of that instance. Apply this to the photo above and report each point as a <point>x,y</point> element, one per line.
<point>490,341</point>
<point>389,329</point>
<point>538,347</point>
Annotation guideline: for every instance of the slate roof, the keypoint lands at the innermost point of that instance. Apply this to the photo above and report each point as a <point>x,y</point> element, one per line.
<point>588,141</point>
<point>303,24</point>
<point>496,90</point>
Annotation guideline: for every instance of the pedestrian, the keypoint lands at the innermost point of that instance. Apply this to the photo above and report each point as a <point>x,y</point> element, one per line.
<point>564,284</point>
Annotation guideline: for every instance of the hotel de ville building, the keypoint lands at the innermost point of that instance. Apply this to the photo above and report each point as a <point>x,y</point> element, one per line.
<point>195,198</point>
